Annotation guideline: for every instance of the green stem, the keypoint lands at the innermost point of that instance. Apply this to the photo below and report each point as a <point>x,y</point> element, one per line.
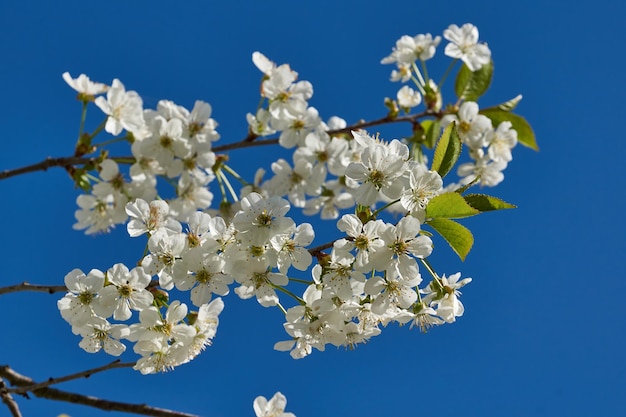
<point>108,142</point>
<point>391,203</point>
<point>301,281</point>
<point>445,75</point>
<point>431,270</point>
<point>83,117</point>
<point>419,76</point>
<point>235,174</point>
<point>423,65</point>
<point>220,181</point>
<point>99,128</point>
<point>289,293</point>
<point>229,186</point>
<point>124,160</point>
<point>281,308</point>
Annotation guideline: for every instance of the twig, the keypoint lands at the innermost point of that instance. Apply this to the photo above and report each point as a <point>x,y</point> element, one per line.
<point>45,164</point>
<point>18,379</point>
<point>8,400</point>
<point>25,286</point>
<point>84,374</point>
<point>50,289</point>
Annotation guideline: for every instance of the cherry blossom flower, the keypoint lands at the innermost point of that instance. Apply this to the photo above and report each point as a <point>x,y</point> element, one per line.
<point>82,301</point>
<point>464,45</point>
<point>124,108</point>
<point>409,49</point>
<point>84,85</point>
<point>408,98</point>
<point>100,334</point>
<point>127,291</point>
<point>275,407</point>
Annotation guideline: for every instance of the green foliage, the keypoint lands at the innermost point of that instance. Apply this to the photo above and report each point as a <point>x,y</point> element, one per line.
<point>447,151</point>
<point>469,86</point>
<point>458,236</point>
<point>525,134</point>
<point>483,202</point>
<point>510,104</point>
<point>449,206</point>
<point>431,132</point>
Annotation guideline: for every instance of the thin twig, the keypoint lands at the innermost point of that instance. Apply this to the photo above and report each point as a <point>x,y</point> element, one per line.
<point>25,286</point>
<point>45,164</point>
<point>84,374</point>
<point>8,400</point>
<point>18,379</point>
<point>50,289</point>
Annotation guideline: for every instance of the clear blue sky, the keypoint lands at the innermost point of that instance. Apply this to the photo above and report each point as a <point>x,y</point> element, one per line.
<point>544,330</point>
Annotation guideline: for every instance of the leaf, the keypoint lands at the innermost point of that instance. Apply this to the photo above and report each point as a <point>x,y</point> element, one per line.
<point>432,132</point>
<point>466,187</point>
<point>509,105</point>
<point>449,206</point>
<point>483,202</point>
<point>525,134</point>
<point>470,85</point>
<point>447,151</point>
<point>458,236</point>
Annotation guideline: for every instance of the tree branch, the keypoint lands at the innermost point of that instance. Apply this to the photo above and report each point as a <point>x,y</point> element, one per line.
<point>50,289</point>
<point>25,286</point>
<point>8,400</point>
<point>318,249</point>
<point>45,164</point>
<point>246,142</point>
<point>84,374</point>
<point>20,380</point>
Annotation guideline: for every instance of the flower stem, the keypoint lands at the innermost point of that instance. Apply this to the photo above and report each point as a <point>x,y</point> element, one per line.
<point>445,75</point>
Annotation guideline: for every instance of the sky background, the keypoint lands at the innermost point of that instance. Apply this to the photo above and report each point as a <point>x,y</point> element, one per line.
<point>544,329</point>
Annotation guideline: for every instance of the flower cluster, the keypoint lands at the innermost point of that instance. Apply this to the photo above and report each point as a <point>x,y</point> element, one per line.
<point>489,148</point>
<point>163,341</point>
<point>381,192</point>
<point>170,142</point>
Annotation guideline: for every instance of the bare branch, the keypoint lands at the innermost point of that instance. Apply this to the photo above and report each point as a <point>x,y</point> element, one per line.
<point>25,286</point>
<point>83,374</point>
<point>20,380</point>
<point>45,164</point>
<point>8,400</point>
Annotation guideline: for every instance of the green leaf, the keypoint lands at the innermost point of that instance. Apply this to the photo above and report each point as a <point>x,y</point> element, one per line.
<point>449,206</point>
<point>447,151</point>
<point>470,85</point>
<point>466,187</point>
<point>525,134</point>
<point>483,202</point>
<point>458,237</point>
<point>509,105</point>
<point>432,132</point>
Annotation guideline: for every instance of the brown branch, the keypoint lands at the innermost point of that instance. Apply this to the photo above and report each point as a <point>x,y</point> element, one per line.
<point>84,374</point>
<point>247,142</point>
<point>45,164</point>
<point>50,289</point>
<point>318,249</point>
<point>8,400</point>
<point>18,379</point>
<point>410,118</point>
<point>244,144</point>
<point>25,286</point>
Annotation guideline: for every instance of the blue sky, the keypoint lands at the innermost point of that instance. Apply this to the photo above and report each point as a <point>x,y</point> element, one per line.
<point>544,329</point>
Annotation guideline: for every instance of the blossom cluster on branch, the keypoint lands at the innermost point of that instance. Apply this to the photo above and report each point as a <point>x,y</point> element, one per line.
<point>380,194</point>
